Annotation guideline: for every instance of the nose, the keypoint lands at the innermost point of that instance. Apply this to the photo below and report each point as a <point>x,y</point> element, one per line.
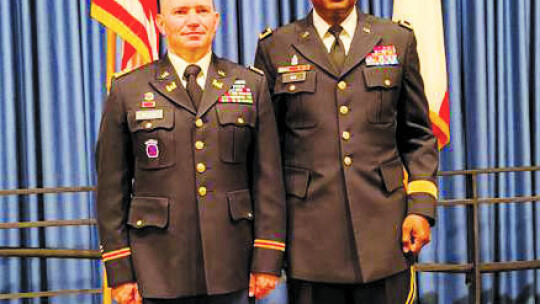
<point>193,19</point>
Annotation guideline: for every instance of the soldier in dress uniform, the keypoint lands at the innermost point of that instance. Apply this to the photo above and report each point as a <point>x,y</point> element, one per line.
<point>352,116</point>
<point>190,198</point>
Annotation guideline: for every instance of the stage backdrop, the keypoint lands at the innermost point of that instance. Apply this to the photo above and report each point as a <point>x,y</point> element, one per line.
<point>52,59</point>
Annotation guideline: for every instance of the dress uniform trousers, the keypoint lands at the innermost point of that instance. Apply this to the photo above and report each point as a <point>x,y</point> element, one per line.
<point>399,288</point>
<point>240,297</point>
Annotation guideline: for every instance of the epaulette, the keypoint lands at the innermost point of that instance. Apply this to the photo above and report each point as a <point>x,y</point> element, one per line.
<point>406,24</point>
<point>254,69</point>
<point>267,32</point>
<point>120,74</point>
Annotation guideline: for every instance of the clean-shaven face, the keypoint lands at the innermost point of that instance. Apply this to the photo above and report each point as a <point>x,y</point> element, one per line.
<point>333,9</point>
<point>188,25</point>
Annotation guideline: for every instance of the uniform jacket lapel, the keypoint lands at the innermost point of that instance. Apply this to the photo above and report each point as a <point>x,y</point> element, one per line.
<point>168,84</point>
<point>362,44</point>
<point>310,45</point>
<point>219,80</point>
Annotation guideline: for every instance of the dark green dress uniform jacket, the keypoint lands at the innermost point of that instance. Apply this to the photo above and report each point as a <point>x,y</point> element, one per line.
<point>346,138</point>
<point>188,195</point>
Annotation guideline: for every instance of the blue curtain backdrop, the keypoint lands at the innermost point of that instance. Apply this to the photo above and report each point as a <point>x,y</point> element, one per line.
<point>52,59</point>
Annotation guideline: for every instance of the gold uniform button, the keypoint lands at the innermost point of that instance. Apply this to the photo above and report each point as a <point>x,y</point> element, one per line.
<point>250,215</point>
<point>202,191</point>
<point>342,85</point>
<point>292,88</point>
<point>387,82</point>
<point>347,160</point>
<point>199,123</point>
<point>346,135</point>
<point>199,145</point>
<point>201,168</point>
<point>344,110</point>
<point>240,121</point>
<point>148,125</point>
<point>139,223</point>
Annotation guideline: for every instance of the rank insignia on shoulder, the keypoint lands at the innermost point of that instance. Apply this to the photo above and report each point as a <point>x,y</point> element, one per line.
<point>254,69</point>
<point>267,32</point>
<point>406,24</point>
<point>120,74</point>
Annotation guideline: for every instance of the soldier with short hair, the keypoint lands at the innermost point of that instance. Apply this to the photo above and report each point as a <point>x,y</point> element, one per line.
<point>190,199</point>
<point>352,115</point>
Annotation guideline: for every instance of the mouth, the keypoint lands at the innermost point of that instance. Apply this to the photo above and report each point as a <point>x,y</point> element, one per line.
<point>193,34</point>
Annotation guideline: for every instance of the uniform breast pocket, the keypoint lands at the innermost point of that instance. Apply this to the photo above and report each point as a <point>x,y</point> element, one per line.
<point>153,140</point>
<point>384,85</point>
<point>296,97</point>
<point>236,125</point>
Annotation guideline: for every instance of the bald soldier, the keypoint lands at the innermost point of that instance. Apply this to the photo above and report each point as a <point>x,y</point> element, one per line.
<point>352,115</point>
<point>190,200</point>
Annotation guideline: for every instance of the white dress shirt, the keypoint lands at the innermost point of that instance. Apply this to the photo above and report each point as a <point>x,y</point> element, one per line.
<point>346,36</point>
<point>180,66</point>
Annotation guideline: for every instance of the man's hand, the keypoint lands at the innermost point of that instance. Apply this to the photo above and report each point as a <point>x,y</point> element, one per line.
<point>127,294</point>
<point>261,284</point>
<point>416,233</point>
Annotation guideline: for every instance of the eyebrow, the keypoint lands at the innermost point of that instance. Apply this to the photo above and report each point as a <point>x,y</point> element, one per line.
<point>188,7</point>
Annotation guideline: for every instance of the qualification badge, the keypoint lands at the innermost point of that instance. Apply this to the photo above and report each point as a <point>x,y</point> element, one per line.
<point>148,101</point>
<point>294,72</point>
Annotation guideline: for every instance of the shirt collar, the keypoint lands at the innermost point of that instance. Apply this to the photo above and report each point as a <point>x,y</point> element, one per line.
<point>349,24</point>
<point>180,64</point>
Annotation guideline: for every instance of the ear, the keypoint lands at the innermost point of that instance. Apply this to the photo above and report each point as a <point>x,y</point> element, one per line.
<point>218,21</point>
<point>160,22</point>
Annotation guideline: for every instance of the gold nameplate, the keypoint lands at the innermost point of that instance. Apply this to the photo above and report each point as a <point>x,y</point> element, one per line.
<point>293,77</point>
<point>146,115</point>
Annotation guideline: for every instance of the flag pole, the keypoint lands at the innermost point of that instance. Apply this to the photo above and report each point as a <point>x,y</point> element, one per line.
<point>111,69</point>
<point>111,56</point>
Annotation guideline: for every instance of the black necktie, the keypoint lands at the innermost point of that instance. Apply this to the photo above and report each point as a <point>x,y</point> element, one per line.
<point>337,52</point>
<point>193,89</point>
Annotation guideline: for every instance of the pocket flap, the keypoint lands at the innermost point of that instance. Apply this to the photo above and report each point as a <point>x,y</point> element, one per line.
<point>382,77</point>
<point>236,114</point>
<point>240,206</point>
<point>297,181</point>
<point>306,86</point>
<point>392,174</point>
<point>167,122</point>
<point>148,212</point>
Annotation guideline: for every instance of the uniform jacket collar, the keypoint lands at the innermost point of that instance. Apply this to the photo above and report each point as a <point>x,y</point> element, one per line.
<point>310,45</point>
<point>219,80</point>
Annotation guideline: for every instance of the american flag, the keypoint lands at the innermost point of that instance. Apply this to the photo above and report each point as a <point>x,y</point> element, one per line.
<point>134,22</point>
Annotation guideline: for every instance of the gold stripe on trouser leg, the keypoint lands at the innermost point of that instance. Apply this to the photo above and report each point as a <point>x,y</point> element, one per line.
<point>412,290</point>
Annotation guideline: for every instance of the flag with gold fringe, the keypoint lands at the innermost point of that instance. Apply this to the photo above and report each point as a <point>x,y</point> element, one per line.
<point>425,17</point>
<point>134,22</point>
